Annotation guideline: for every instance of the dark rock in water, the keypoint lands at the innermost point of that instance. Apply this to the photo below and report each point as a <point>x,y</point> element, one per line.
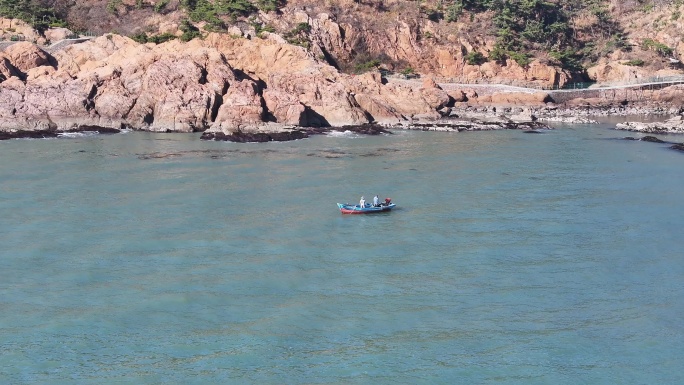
<point>100,129</point>
<point>678,147</point>
<point>532,132</point>
<point>366,129</point>
<point>258,137</point>
<point>629,138</point>
<point>652,139</point>
<point>51,133</point>
<point>4,135</point>
<point>528,126</point>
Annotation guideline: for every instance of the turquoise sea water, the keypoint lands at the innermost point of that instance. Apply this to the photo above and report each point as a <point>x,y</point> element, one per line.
<point>511,259</point>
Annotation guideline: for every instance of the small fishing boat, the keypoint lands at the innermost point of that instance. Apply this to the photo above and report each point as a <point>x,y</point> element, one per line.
<point>346,208</point>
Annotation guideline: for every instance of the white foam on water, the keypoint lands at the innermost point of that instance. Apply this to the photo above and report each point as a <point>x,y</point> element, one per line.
<point>343,134</point>
<point>71,135</point>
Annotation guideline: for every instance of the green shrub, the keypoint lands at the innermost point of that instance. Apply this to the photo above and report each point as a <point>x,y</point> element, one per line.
<point>140,37</point>
<point>189,31</point>
<point>568,58</point>
<point>660,48</point>
<point>113,5</point>
<point>475,58</point>
<point>213,11</point>
<point>521,58</point>
<point>299,35</point>
<point>366,66</point>
<point>159,7</point>
<point>634,63</point>
<point>408,71</point>
<point>498,54</point>
<point>453,11</point>
<point>161,38</point>
<point>259,28</point>
<point>302,27</point>
<point>268,5</point>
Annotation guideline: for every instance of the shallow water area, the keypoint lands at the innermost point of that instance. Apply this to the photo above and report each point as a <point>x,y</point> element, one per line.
<point>511,258</point>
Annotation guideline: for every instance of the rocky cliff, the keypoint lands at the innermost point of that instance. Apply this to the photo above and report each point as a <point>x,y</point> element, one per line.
<point>222,84</point>
<point>305,64</point>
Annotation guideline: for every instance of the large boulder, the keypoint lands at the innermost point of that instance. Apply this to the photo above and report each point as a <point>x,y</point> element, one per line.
<point>7,70</point>
<point>56,34</point>
<point>241,109</point>
<point>285,107</point>
<point>433,95</point>
<point>25,56</point>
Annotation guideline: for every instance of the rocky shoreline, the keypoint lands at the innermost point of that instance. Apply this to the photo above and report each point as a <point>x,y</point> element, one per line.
<point>674,125</point>
<point>261,90</point>
<point>54,133</point>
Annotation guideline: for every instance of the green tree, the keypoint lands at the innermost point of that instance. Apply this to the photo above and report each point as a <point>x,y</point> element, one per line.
<point>189,30</point>
<point>475,58</point>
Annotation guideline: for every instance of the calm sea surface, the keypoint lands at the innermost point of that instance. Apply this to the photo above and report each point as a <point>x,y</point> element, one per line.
<point>512,258</point>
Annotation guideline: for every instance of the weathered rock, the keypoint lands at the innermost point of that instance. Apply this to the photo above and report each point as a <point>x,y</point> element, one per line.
<point>7,70</point>
<point>16,27</point>
<point>241,109</point>
<point>434,96</point>
<point>230,85</point>
<point>25,56</point>
<point>524,116</point>
<point>457,96</point>
<point>672,126</point>
<point>285,108</point>
<point>56,34</point>
<point>516,98</point>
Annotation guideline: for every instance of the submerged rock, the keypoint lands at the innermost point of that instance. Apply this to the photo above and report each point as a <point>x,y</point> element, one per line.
<point>53,133</point>
<point>652,139</point>
<point>500,123</point>
<point>365,129</point>
<point>258,137</point>
<point>678,147</point>
<point>20,134</point>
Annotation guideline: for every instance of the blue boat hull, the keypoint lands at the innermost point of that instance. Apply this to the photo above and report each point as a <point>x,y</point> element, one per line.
<point>346,208</point>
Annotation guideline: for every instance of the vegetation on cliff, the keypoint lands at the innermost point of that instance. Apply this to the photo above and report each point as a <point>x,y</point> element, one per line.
<point>572,35</point>
<point>41,15</point>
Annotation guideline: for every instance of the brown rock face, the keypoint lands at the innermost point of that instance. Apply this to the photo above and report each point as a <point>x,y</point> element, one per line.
<point>7,70</point>
<point>113,81</point>
<point>57,34</point>
<point>516,98</point>
<point>25,56</point>
<point>285,108</point>
<point>241,109</point>
<point>174,96</point>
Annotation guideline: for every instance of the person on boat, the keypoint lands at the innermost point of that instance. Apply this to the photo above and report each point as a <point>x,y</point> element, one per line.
<point>375,201</point>
<point>362,202</point>
<point>388,201</point>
